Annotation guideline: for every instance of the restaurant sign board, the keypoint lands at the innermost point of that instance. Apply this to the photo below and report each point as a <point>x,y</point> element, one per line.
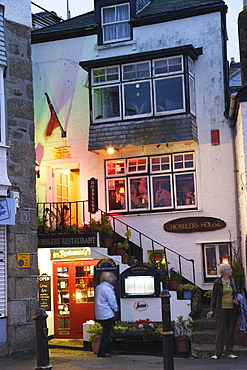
<point>194,224</point>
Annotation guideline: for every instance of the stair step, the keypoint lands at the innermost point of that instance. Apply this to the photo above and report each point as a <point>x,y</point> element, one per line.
<point>206,336</point>
<point>204,324</point>
<point>207,350</point>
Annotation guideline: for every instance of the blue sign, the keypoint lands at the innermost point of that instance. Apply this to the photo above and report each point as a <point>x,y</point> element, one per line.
<point>7,211</point>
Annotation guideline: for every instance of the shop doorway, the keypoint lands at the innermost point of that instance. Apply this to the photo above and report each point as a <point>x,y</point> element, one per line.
<point>73,297</point>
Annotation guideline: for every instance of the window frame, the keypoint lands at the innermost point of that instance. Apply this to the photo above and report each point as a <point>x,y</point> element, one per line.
<point>217,255</point>
<point>151,183</point>
<point>115,23</point>
<point>2,109</point>
<point>184,74</point>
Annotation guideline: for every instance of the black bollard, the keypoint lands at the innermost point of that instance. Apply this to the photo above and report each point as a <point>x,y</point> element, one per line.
<point>41,332</point>
<point>167,331</point>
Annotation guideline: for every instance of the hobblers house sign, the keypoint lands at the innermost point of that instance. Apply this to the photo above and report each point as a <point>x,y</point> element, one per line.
<point>194,224</point>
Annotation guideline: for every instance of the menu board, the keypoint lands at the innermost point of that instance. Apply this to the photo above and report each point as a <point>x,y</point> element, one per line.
<point>45,292</point>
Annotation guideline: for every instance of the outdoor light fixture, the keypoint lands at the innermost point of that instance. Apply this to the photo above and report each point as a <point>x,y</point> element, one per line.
<point>111,150</point>
<point>37,169</point>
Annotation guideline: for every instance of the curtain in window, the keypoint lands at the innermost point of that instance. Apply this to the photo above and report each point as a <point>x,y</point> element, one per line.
<point>113,22</point>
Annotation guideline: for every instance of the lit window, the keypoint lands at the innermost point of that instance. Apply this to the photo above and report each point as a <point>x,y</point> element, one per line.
<point>214,255</point>
<point>151,183</point>
<point>115,23</point>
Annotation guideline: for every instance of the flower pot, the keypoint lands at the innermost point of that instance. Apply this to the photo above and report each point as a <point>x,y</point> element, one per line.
<point>182,344</point>
<point>108,242</point>
<point>174,284</point>
<point>125,259</point>
<point>239,337</point>
<point>187,294</point>
<point>95,345</point>
<point>121,251</point>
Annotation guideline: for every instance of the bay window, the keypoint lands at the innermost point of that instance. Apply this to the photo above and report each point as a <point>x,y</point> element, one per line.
<point>160,182</point>
<point>143,89</point>
<point>115,22</point>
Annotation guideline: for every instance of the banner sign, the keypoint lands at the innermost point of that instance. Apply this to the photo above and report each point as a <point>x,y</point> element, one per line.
<point>194,224</point>
<point>93,195</point>
<point>7,211</point>
<point>60,254</point>
<point>69,240</point>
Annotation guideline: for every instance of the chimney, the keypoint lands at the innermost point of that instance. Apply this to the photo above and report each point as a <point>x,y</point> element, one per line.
<point>242,36</point>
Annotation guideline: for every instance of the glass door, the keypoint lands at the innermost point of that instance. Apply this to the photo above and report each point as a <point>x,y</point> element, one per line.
<point>73,297</point>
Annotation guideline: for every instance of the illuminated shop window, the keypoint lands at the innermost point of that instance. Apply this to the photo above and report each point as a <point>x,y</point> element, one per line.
<point>214,255</point>
<point>163,182</point>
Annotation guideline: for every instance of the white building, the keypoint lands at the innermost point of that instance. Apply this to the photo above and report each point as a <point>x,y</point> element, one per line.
<point>148,79</point>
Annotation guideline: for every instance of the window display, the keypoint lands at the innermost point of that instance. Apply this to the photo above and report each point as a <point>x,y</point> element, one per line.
<point>164,182</point>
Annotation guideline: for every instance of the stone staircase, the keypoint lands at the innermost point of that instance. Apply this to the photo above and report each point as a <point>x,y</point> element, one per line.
<point>203,337</point>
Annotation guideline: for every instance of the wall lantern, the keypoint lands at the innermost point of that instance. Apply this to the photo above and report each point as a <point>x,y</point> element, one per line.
<point>37,170</point>
<point>111,150</point>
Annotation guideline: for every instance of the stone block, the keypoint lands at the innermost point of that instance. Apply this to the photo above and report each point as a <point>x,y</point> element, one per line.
<point>17,312</point>
<point>26,287</point>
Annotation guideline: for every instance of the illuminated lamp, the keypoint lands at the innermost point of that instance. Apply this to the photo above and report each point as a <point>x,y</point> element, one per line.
<point>225,260</point>
<point>111,150</point>
<point>121,190</point>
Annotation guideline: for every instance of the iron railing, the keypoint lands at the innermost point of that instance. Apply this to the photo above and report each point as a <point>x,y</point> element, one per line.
<point>74,217</point>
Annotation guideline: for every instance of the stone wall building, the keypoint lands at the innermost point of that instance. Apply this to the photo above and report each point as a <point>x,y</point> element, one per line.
<point>18,239</point>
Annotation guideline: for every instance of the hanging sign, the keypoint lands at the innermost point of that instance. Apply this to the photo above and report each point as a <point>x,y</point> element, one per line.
<point>194,224</point>
<point>45,292</point>
<point>93,195</point>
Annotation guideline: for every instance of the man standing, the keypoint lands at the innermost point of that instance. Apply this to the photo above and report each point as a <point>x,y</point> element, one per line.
<point>105,306</point>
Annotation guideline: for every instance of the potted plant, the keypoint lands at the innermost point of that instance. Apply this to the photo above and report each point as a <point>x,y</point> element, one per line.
<point>238,271</point>
<point>175,279</point>
<point>187,290</point>
<point>95,331</point>
<point>106,231</point>
<point>182,329</point>
<point>123,247</point>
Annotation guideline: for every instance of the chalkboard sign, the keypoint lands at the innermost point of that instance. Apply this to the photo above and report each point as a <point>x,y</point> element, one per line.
<point>45,292</point>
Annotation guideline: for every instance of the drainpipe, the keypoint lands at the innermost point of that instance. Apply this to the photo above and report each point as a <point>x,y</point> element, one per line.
<point>232,120</point>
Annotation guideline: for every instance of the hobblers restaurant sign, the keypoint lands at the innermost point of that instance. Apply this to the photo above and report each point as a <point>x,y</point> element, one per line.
<point>194,224</point>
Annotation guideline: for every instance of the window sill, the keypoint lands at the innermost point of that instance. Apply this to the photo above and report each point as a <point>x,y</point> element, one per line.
<point>117,44</point>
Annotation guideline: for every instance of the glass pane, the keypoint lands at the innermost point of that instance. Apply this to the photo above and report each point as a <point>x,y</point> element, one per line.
<point>63,322</point>
<point>108,15</point>
<point>122,12</point>
<point>185,189</point>
<point>135,71</point>
<point>139,193</point>
<point>59,190</point>
<point>183,161</point>
<point>106,102</point>
<point>116,195</point>
<point>123,30</point>
<point>168,65</point>
<point>105,74</point>
<point>224,253</point>
<point>110,32</point>
<point>160,163</point>
<point>169,94</point>
<point>137,165</point>
<point>211,263</point>
<point>161,191</point>
<point>115,168</point>
<point>137,98</point>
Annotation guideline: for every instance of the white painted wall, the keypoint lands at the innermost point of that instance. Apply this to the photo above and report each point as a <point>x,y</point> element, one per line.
<point>18,11</point>
<point>56,70</point>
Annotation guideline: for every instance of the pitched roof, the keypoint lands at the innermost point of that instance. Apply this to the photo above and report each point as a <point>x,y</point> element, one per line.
<point>164,6</point>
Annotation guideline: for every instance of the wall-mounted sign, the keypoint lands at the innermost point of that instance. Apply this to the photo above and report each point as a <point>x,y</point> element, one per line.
<point>93,195</point>
<point>194,224</point>
<point>62,152</point>
<point>45,292</point>
<point>23,260</point>
<point>60,254</point>
<point>7,211</point>
<point>70,240</point>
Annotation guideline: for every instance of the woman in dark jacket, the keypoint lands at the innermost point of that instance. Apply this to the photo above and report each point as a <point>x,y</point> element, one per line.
<point>224,307</point>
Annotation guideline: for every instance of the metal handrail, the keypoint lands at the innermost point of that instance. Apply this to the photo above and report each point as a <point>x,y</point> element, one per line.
<point>70,217</point>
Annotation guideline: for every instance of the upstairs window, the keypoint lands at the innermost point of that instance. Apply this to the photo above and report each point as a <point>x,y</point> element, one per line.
<point>143,89</point>
<point>115,23</point>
